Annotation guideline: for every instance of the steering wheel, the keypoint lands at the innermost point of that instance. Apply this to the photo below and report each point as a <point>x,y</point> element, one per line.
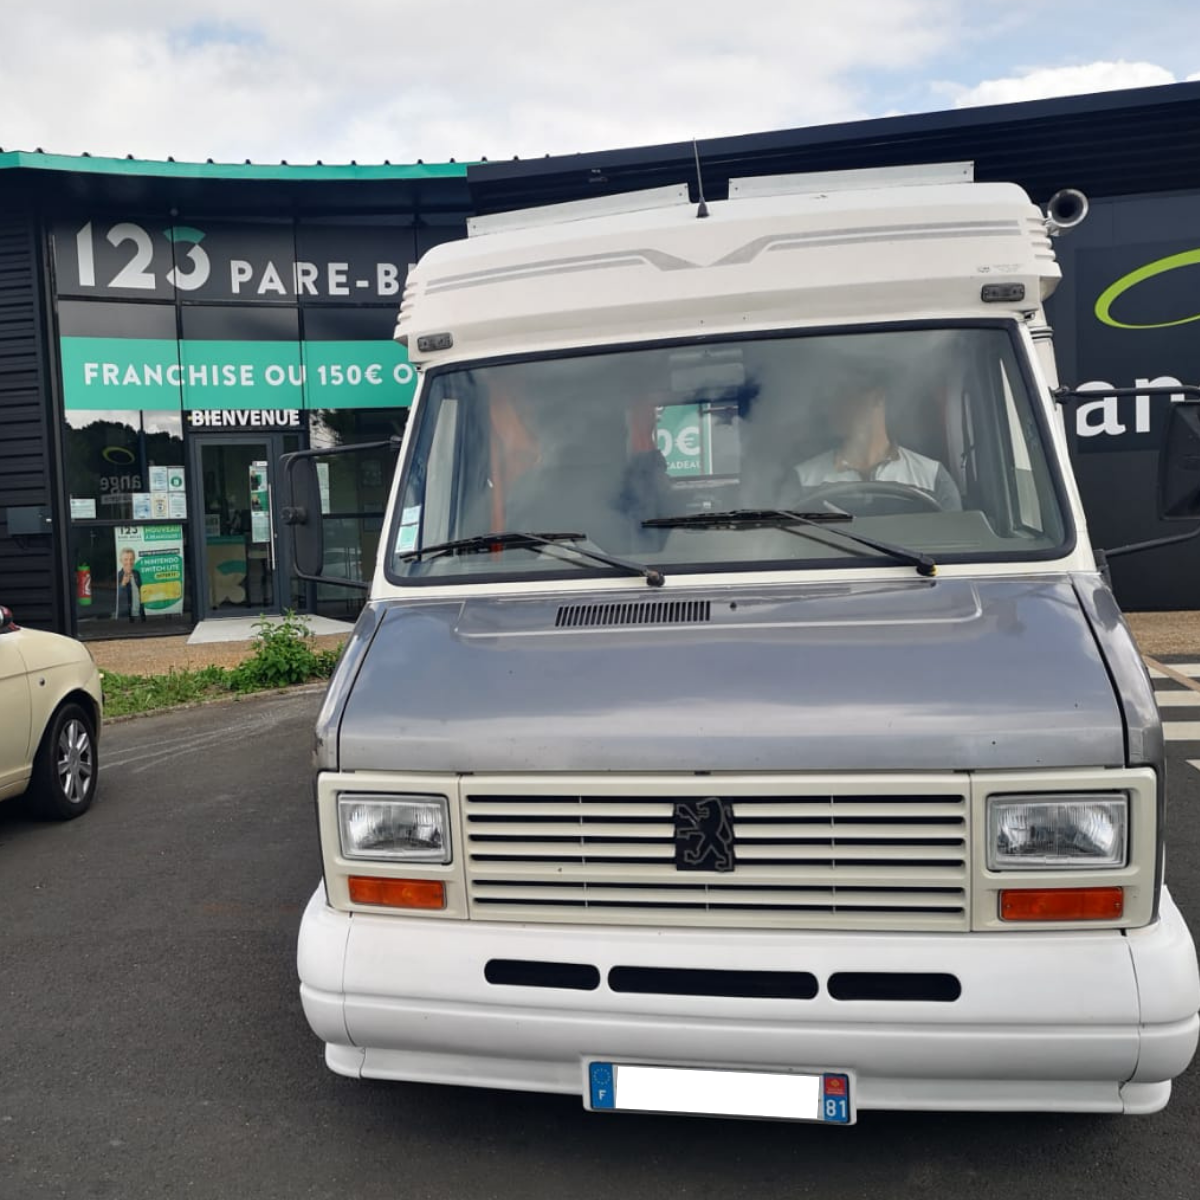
<point>869,492</point>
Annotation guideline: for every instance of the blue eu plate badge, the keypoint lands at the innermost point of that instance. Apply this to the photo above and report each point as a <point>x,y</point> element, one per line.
<point>603,1093</point>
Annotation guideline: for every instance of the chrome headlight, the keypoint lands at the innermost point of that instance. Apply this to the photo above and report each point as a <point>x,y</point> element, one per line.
<point>394,828</point>
<point>1070,831</point>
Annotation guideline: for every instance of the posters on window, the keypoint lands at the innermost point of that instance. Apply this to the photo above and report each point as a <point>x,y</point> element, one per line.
<point>149,579</point>
<point>260,503</point>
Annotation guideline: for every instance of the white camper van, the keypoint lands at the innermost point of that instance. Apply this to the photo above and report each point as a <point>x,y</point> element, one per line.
<point>740,722</point>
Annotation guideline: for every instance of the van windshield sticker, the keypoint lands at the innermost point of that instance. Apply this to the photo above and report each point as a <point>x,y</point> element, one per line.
<point>406,540</point>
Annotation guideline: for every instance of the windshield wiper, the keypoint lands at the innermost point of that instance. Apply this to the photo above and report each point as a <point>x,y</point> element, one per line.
<point>743,518</point>
<point>509,538</point>
<point>778,518</point>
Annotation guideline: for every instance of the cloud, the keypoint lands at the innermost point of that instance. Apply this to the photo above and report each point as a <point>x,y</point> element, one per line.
<point>1044,82</point>
<point>402,79</point>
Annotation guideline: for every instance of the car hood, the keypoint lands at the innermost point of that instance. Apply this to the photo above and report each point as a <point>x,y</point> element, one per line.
<point>42,651</point>
<point>913,675</point>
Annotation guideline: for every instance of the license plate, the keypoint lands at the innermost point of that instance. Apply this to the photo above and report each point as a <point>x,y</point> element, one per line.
<point>701,1091</point>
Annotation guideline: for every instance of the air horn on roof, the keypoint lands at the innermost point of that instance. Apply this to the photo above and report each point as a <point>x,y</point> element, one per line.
<point>1065,209</point>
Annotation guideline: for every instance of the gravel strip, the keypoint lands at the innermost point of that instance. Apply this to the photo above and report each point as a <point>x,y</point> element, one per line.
<point>157,656</point>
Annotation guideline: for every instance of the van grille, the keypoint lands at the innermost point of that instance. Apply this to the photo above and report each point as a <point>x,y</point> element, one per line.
<point>803,861</point>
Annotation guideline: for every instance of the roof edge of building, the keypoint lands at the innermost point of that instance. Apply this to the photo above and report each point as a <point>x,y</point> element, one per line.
<point>872,129</point>
<point>154,168</point>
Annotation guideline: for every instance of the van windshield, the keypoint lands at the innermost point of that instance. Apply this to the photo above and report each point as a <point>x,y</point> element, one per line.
<point>919,438</point>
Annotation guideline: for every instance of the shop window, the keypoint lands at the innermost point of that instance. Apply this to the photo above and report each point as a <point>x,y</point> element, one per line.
<point>130,579</point>
<point>127,484</point>
<point>125,465</point>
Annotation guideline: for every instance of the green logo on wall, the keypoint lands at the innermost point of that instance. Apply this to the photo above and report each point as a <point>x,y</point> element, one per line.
<point>1160,266</point>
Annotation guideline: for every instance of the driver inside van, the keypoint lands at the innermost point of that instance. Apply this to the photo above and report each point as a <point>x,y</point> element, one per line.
<point>866,452</point>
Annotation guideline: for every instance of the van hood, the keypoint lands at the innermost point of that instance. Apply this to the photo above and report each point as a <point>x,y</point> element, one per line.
<point>916,675</point>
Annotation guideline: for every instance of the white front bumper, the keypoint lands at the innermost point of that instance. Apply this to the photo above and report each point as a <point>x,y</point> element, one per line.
<point>1090,1021</point>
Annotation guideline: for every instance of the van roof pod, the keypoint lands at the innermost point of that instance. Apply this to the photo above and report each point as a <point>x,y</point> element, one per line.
<point>911,242</point>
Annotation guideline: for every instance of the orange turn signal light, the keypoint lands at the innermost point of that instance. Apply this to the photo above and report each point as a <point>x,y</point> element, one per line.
<point>1062,904</point>
<point>397,893</point>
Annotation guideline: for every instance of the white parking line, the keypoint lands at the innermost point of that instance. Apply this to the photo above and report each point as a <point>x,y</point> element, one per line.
<point>1172,700</point>
<point>1181,731</point>
<point>1192,670</point>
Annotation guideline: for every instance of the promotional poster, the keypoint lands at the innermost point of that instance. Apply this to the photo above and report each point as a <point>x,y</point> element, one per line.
<point>149,578</point>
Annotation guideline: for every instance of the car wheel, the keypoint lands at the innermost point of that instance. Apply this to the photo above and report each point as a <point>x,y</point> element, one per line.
<point>67,766</point>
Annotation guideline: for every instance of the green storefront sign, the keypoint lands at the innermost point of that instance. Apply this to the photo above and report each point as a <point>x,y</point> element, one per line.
<point>155,373</point>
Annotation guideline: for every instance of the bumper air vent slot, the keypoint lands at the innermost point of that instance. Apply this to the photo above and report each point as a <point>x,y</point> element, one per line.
<point>676,981</point>
<point>516,972</point>
<point>894,985</point>
<point>633,612</point>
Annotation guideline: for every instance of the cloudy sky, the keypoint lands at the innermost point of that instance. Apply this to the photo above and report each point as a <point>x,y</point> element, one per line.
<point>370,80</point>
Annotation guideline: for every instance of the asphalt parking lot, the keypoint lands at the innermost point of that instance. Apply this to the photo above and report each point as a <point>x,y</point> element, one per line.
<point>152,1042</point>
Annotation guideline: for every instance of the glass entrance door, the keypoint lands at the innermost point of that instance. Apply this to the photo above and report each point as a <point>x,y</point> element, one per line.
<point>241,571</point>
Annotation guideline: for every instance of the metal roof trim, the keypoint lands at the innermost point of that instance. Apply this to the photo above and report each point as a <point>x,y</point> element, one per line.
<point>868,130</point>
<point>228,171</point>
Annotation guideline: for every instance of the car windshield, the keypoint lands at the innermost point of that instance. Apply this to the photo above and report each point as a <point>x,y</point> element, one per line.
<point>923,439</point>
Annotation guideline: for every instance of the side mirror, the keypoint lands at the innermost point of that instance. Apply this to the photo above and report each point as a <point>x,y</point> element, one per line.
<point>1178,461</point>
<point>1179,465</point>
<point>6,619</point>
<point>301,513</point>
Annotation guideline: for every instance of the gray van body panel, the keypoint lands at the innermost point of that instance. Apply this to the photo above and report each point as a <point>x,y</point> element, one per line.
<point>1144,735</point>
<point>945,674</point>
<point>333,704</point>
<point>1145,745</point>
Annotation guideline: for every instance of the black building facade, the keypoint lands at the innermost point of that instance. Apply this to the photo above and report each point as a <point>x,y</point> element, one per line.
<point>168,330</point>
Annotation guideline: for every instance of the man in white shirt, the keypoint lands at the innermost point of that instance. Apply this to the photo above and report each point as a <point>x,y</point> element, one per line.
<point>868,454</point>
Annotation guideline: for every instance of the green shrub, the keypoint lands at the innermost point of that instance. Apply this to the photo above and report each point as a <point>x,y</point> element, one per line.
<point>283,655</point>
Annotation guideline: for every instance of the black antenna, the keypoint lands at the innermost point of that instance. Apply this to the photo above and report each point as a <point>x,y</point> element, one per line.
<point>702,211</point>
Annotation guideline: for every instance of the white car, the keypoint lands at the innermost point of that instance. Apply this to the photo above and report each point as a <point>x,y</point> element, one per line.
<point>50,708</point>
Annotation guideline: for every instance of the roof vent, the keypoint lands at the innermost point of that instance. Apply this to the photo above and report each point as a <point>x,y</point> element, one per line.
<point>812,183</point>
<point>634,612</point>
<point>578,210</point>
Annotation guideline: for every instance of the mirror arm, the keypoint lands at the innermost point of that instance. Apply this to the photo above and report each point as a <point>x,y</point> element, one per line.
<point>393,443</point>
<point>1189,391</point>
<point>359,585</point>
<point>1134,547</point>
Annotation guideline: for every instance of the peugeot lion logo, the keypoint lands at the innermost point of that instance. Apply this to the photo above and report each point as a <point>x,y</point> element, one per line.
<point>704,835</point>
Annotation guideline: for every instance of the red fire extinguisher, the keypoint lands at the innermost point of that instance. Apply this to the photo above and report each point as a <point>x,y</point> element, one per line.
<point>83,585</point>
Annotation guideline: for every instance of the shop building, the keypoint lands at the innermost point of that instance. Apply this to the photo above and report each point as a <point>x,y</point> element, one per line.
<point>168,330</point>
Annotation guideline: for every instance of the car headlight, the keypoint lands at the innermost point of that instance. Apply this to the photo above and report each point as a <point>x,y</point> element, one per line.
<point>1031,832</point>
<point>394,828</point>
